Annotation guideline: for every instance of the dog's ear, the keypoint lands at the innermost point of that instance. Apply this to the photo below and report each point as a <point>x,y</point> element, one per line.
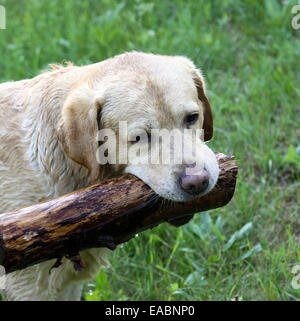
<point>208,118</point>
<point>78,127</point>
<point>200,85</point>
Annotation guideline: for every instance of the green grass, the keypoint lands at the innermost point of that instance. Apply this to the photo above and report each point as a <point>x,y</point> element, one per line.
<point>250,56</point>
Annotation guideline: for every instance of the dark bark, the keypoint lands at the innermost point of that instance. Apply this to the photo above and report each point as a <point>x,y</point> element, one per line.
<point>102,215</point>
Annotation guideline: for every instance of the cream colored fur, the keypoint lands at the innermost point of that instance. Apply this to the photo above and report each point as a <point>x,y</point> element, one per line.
<point>48,147</point>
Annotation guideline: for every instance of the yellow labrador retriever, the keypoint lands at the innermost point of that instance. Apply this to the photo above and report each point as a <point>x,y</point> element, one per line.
<point>49,147</point>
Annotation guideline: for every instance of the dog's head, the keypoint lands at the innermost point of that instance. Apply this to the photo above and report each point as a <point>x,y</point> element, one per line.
<point>151,109</point>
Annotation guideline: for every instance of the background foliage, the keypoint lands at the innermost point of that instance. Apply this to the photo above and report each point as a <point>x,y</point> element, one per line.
<point>250,56</point>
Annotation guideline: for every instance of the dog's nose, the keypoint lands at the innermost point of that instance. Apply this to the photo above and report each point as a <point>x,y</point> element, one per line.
<point>196,183</point>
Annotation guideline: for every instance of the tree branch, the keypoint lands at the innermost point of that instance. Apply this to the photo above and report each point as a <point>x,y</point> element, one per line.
<point>102,215</point>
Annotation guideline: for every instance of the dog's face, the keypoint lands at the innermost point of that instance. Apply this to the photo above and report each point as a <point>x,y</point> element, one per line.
<point>152,110</point>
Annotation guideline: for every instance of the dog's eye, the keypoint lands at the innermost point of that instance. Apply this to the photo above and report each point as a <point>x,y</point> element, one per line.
<point>191,119</point>
<point>145,137</point>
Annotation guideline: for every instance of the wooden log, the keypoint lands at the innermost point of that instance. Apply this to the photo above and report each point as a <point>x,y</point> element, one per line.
<point>102,215</point>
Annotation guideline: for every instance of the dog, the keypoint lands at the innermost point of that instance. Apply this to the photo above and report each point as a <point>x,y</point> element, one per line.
<point>48,145</point>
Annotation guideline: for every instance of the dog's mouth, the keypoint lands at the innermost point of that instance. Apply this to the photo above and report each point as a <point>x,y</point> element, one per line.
<point>177,194</point>
<point>183,196</point>
<point>176,187</point>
